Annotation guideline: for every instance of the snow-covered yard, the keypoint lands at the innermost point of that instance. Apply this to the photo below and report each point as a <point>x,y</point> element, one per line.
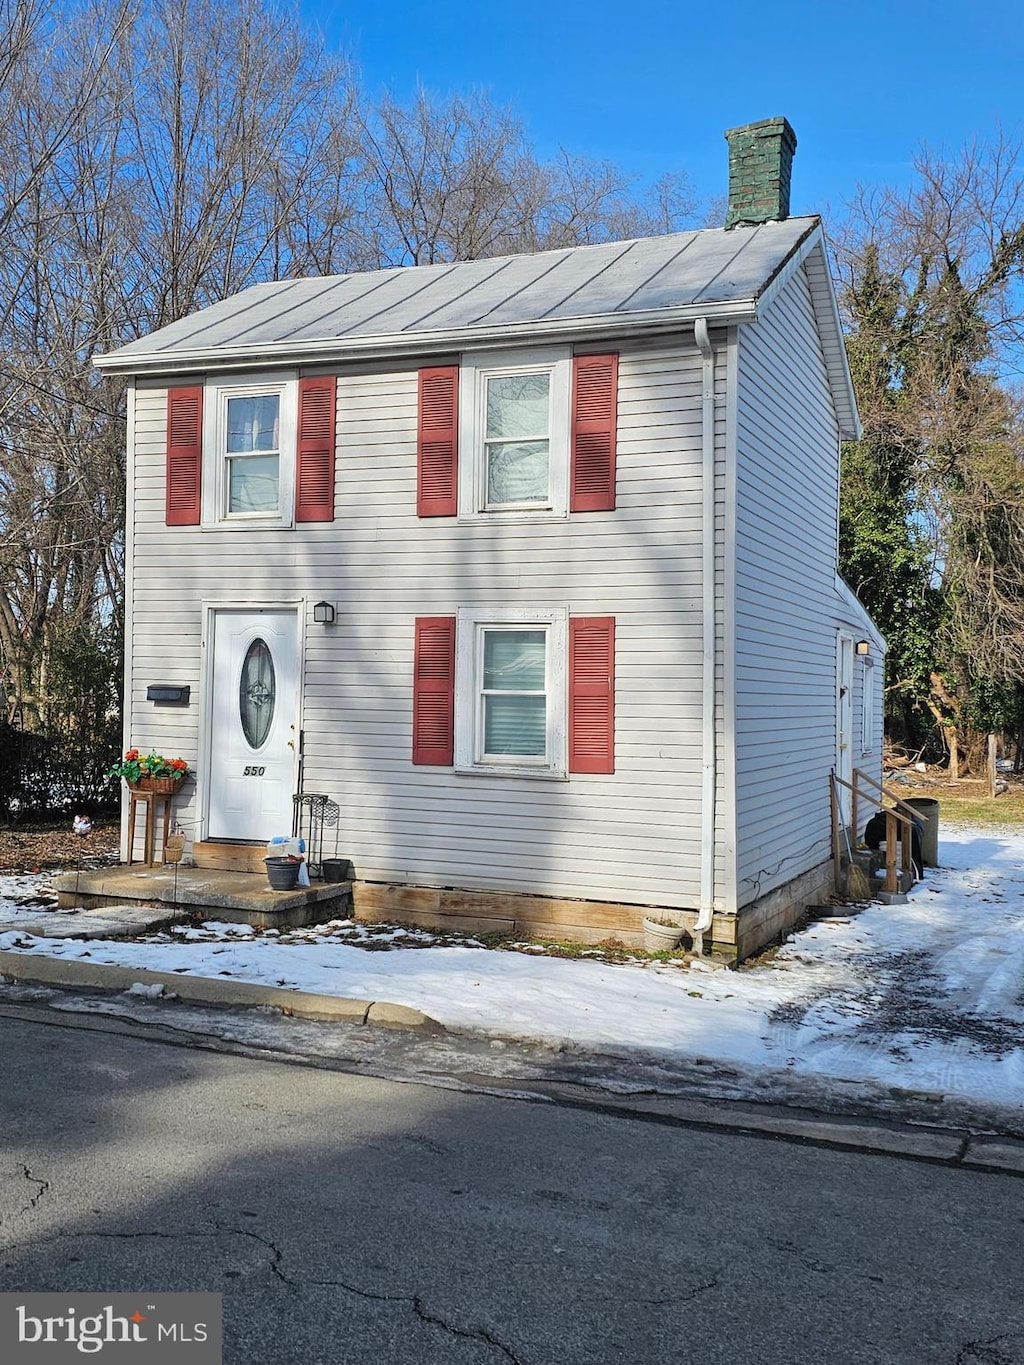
<point>927,997</point>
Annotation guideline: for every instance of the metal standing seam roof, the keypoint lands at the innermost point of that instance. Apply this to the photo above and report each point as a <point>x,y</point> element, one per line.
<point>615,288</point>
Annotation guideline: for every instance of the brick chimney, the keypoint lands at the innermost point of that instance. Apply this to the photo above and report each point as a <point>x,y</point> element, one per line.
<point>760,162</point>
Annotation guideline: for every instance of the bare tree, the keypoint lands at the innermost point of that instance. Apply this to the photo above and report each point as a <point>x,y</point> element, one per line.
<point>45,98</point>
<point>157,156</point>
<point>455,179</point>
<point>154,157</point>
<point>232,110</point>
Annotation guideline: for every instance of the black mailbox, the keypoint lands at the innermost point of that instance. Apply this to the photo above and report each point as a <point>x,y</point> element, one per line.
<point>167,694</point>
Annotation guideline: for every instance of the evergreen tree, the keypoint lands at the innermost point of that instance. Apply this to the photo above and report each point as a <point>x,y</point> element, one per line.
<point>932,513</point>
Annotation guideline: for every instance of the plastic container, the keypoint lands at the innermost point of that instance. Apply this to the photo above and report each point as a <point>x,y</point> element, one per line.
<point>282,873</point>
<point>928,811</point>
<point>281,847</point>
<point>336,869</point>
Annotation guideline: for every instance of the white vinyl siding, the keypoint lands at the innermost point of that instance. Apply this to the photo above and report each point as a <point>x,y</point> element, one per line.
<point>787,610</point>
<point>633,836</point>
<point>868,697</point>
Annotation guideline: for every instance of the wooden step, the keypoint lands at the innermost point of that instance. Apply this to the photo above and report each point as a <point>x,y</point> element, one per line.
<point>230,857</point>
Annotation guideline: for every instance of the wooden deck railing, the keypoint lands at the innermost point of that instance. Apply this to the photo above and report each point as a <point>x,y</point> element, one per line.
<point>900,823</point>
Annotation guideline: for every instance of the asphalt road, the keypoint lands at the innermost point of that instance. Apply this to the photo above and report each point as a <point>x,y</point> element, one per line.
<point>350,1219</point>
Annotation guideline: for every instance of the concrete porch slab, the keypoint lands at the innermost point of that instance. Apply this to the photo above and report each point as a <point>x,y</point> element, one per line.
<point>111,921</point>
<point>238,897</point>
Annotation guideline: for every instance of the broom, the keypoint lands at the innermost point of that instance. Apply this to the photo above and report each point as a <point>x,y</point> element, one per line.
<point>858,883</point>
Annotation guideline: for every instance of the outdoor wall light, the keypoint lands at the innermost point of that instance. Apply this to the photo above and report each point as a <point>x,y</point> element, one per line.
<point>323,614</point>
<point>863,647</point>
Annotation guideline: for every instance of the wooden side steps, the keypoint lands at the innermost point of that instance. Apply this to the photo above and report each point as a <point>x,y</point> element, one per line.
<point>871,861</point>
<point>900,820</point>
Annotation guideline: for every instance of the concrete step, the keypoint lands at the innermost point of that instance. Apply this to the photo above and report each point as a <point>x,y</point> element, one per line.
<point>240,897</point>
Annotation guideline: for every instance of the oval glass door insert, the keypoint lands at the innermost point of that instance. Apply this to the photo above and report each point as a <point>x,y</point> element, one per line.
<point>257,693</point>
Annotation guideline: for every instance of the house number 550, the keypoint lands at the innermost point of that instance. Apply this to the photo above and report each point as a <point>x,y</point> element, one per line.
<point>254,772</point>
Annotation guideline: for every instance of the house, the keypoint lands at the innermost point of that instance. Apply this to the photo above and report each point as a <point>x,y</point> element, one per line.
<point>528,563</point>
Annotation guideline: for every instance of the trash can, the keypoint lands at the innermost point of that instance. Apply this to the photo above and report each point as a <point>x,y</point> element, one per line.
<point>928,812</point>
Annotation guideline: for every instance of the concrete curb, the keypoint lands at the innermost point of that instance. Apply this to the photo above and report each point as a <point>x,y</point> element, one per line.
<point>960,1147</point>
<point>957,1147</point>
<point>858,1134</point>
<point>35,969</point>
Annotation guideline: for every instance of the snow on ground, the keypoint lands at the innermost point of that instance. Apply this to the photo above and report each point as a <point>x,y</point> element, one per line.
<point>926,997</point>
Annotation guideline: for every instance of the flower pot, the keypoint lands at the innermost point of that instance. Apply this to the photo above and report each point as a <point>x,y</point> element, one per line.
<point>661,938</point>
<point>174,848</point>
<point>162,786</point>
<point>335,869</point>
<point>282,873</point>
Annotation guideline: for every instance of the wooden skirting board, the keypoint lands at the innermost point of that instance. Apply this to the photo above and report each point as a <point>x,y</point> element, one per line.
<point>769,919</point>
<point>494,912</point>
<point>732,938</point>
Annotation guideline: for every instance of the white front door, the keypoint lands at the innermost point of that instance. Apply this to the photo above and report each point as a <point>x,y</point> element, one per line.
<point>844,722</point>
<point>254,715</point>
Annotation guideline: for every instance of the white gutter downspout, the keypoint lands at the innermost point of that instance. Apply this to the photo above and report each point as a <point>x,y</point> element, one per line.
<point>708,774</point>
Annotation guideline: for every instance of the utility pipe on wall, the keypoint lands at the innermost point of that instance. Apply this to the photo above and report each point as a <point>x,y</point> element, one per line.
<point>708,739</point>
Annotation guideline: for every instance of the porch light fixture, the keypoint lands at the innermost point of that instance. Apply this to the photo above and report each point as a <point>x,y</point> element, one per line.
<point>863,647</point>
<point>323,614</point>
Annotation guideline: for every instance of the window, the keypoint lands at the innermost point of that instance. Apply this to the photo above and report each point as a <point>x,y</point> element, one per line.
<point>868,708</point>
<point>249,443</point>
<point>531,434</point>
<point>257,690</point>
<point>522,692</point>
<point>510,692</point>
<point>513,694</point>
<point>514,430</point>
<point>517,439</point>
<point>253,453</point>
<point>236,451</point>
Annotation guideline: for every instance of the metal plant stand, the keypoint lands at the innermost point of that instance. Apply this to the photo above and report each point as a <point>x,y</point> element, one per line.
<point>311,812</point>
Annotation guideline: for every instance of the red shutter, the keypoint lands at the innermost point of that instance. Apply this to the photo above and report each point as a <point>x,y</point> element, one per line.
<point>184,455</point>
<point>592,694</point>
<point>314,466</point>
<point>595,387</point>
<point>433,691</point>
<point>438,445</point>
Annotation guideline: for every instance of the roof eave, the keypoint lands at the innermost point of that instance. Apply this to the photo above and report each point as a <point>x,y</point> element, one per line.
<point>600,326</point>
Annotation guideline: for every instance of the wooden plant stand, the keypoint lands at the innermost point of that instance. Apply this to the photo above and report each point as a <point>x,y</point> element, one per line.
<point>152,799</point>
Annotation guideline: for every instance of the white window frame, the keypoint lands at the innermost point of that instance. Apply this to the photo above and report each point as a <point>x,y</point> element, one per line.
<point>469,756</point>
<point>867,707</point>
<point>215,454</point>
<point>474,372</point>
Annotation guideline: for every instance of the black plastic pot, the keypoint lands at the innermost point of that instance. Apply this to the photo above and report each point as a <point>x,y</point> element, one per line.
<point>335,869</point>
<point>282,873</point>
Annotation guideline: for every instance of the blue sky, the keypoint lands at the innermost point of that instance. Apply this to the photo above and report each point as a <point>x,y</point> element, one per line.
<point>652,85</point>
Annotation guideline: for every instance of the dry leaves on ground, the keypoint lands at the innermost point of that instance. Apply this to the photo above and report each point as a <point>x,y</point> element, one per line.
<point>26,848</point>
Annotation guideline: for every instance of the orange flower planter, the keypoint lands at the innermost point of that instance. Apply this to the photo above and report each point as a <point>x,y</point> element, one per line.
<point>162,786</point>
